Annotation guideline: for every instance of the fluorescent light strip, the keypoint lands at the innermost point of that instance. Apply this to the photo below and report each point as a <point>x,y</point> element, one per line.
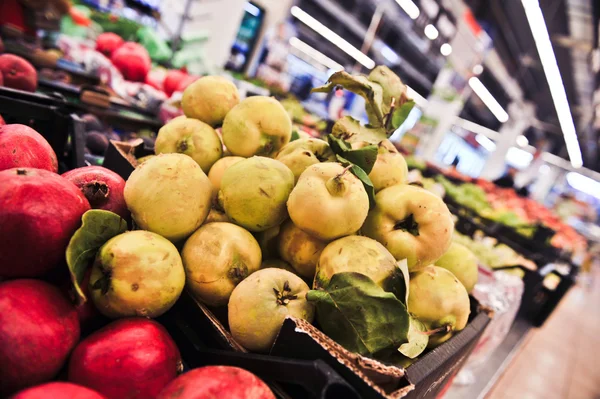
<point>409,8</point>
<point>431,32</point>
<point>419,99</point>
<point>487,98</point>
<point>332,37</point>
<point>252,9</point>
<point>485,142</point>
<point>583,184</point>
<point>557,88</point>
<point>315,54</point>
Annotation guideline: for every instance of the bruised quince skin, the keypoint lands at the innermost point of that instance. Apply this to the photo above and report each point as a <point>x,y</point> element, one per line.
<point>259,305</point>
<point>437,299</point>
<point>300,154</point>
<point>216,258</point>
<point>254,193</point>
<point>137,273</point>
<point>257,126</point>
<point>299,249</point>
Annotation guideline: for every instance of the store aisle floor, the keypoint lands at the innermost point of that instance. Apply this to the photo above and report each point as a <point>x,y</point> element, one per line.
<point>561,359</point>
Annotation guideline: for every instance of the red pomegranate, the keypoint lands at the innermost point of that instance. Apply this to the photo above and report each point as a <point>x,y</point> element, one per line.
<point>108,42</point>
<point>18,73</point>
<point>156,78</point>
<point>38,329</point>
<point>186,82</point>
<point>89,317</point>
<point>102,187</point>
<point>133,61</point>
<point>39,212</point>
<point>132,358</point>
<point>58,390</point>
<point>221,382</point>
<point>23,147</point>
<point>2,122</point>
<point>172,80</point>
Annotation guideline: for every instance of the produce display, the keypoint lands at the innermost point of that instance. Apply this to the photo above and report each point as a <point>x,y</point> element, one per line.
<point>246,232</point>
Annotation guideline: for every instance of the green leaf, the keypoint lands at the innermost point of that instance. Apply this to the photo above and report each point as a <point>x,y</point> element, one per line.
<point>417,339</point>
<point>98,226</point>
<point>367,183</point>
<point>403,266</point>
<point>362,176</point>
<point>360,315</point>
<point>364,157</point>
<point>295,135</point>
<point>372,92</point>
<point>401,113</point>
<point>350,129</point>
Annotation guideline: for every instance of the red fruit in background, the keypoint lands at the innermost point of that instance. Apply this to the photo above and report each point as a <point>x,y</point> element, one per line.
<point>18,73</point>
<point>38,329</point>
<point>186,82</point>
<point>132,358</point>
<point>133,61</point>
<point>172,80</point>
<point>89,317</point>
<point>102,187</point>
<point>108,42</point>
<point>156,78</point>
<point>39,212</point>
<point>23,147</point>
<point>58,390</point>
<point>2,121</point>
<point>221,382</point>
<point>1,80</point>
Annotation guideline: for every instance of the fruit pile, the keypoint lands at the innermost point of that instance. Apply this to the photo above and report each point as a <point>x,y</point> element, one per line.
<point>80,218</point>
<point>245,218</point>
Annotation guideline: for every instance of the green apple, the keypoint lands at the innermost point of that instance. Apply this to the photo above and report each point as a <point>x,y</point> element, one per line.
<point>437,299</point>
<point>256,126</point>
<point>328,201</point>
<point>300,154</point>
<point>412,223</point>
<point>462,263</point>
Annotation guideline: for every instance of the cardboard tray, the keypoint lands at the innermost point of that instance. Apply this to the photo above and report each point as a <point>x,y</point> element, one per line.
<point>299,340</point>
<point>425,378</point>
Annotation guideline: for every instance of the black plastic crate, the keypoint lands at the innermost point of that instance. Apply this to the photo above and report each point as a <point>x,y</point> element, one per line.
<point>51,117</point>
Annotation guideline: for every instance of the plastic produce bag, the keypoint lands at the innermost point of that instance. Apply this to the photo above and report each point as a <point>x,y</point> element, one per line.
<point>157,47</point>
<point>501,292</point>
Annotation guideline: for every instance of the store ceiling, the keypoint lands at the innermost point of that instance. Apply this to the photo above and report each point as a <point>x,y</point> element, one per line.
<point>571,27</point>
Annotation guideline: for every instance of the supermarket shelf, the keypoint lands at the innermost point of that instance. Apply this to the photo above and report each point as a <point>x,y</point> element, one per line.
<point>487,376</point>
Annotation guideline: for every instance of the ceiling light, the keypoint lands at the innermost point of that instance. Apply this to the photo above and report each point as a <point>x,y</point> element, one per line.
<point>478,69</point>
<point>522,141</point>
<point>431,32</point>
<point>390,54</point>
<point>409,8</point>
<point>583,184</point>
<point>315,54</point>
<point>487,98</point>
<point>332,37</point>
<point>485,142</point>
<point>419,99</point>
<point>252,9</point>
<point>518,158</point>
<point>446,49</point>
<point>557,88</point>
